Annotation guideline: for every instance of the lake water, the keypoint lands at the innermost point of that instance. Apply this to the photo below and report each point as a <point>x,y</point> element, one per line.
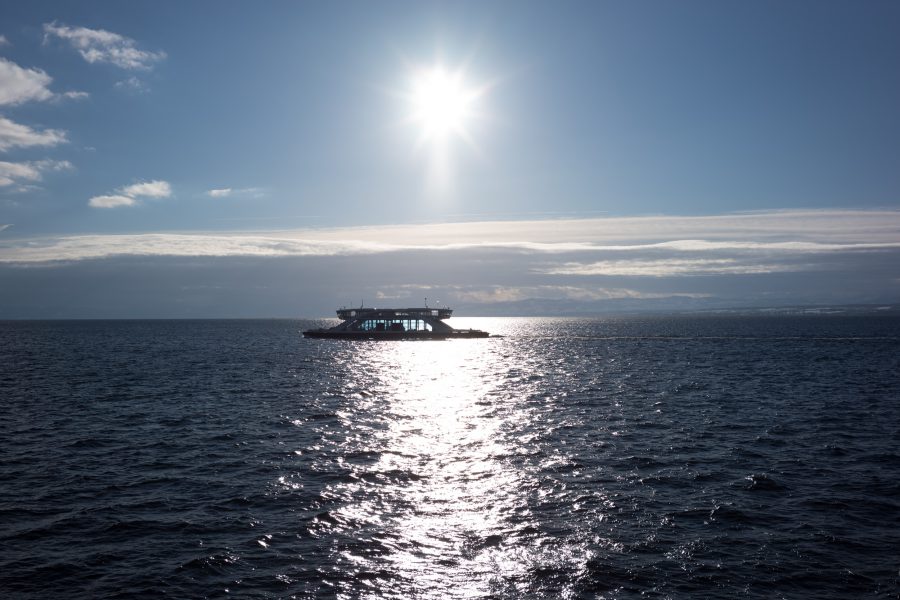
<point>660,457</point>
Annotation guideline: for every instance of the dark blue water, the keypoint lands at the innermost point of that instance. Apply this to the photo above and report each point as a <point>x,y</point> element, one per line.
<point>666,457</point>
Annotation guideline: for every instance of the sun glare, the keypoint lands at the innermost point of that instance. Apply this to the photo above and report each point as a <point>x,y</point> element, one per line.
<point>442,103</point>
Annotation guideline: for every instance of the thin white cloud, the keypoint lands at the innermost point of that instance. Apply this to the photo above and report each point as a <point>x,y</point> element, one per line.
<point>5,226</point>
<point>4,42</point>
<point>111,201</point>
<point>498,293</point>
<point>101,46</point>
<point>163,244</point>
<point>611,233</point>
<point>132,84</point>
<point>75,95</point>
<point>669,267</point>
<point>19,85</point>
<point>705,245</point>
<point>16,135</point>
<point>12,173</point>
<point>54,165</point>
<point>231,192</point>
<point>813,232</point>
<point>150,189</point>
<point>129,194</point>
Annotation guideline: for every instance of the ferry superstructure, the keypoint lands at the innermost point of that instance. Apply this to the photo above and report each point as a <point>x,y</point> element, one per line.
<point>394,324</point>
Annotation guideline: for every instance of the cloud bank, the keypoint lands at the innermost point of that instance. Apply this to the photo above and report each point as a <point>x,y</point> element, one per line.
<point>508,267</point>
<point>769,234</point>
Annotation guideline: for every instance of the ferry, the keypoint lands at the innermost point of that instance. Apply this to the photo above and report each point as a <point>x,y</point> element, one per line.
<point>394,324</point>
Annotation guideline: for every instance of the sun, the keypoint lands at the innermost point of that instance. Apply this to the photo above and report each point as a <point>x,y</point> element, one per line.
<point>442,103</point>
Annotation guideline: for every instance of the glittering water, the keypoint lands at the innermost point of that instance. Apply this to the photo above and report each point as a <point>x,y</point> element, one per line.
<point>712,457</point>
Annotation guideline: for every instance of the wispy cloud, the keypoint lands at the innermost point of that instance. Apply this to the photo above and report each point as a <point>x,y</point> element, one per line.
<point>227,192</point>
<point>4,41</point>
<point>130,194</point>
<point>150,189</point>
<point>16,135</point>
<point>12,173</point>
<point>111,201</point>
<point>101,46</point>
<point>74,95</point>
<point>131,84</point>
<point>19,85</point>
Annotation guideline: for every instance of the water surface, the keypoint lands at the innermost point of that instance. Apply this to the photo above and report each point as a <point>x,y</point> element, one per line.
<point>713,457</point>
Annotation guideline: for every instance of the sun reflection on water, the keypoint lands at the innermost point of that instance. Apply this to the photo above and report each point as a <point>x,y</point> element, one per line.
<point>449,502</point>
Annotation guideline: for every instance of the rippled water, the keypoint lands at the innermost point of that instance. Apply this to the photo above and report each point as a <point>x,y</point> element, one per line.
<point>712,457</point>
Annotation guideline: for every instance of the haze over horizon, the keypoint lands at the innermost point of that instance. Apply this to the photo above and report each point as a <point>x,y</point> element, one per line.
<point>214,159</point>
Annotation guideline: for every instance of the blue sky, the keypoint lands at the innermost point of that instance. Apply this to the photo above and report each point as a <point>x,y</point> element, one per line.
<point>212,142</point>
